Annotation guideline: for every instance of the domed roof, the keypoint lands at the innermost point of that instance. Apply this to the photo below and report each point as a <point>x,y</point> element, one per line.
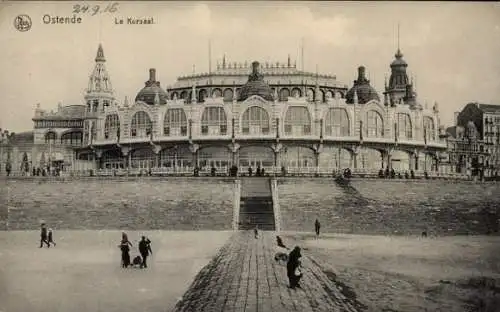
<point>399,60</point>
<point>151,89</point>
<point>362,87</point>
<point>256,86</point>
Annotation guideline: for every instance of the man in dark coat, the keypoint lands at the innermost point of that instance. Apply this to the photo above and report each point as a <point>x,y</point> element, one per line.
<point>145,250</point>
<point>317,227</point>
<point>43,236</point>
<point>291,267</point>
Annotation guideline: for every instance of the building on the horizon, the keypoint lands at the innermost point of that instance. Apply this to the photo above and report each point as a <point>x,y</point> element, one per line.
<point>474,140</point>
<point>277,117</point>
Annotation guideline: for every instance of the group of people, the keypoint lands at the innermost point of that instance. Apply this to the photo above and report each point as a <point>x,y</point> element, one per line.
<point>144,249</point>
<point>46,236</point>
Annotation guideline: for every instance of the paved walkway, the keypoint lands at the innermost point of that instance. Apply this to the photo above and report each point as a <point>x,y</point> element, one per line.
<point>243,277</point>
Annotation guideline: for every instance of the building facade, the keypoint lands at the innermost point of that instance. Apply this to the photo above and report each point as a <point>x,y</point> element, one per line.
<point>474,140</point>
<point>270,116</point>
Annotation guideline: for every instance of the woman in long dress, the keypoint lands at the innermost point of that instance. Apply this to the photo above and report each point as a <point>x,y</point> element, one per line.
<point>124,246</point>
<point>292,267</point>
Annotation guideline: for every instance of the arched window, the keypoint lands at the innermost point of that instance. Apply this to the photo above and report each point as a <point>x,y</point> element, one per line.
<point>429,129</point>
<point>228,95</point>
<point>217,93</point>
<point>284,94</point>
<point>374,125</point>
<point>404,126</point>
<point>175,122</point>
<point>297,121</point>
<point>255,120</point>
<point>141,125</point>
<point>214,121</point>
<point>73,138</point>
<point>111,127</point>
<point>50,137</point>
<point>202,95</point>
<point>337,122</point>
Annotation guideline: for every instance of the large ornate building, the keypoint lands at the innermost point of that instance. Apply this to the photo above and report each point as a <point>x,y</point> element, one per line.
<point>272,116</point>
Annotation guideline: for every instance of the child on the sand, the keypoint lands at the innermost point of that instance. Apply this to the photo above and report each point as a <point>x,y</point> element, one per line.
<point>50,238</point>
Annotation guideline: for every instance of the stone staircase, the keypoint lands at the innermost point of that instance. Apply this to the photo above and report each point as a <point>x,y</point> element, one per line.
<point>256,204</point>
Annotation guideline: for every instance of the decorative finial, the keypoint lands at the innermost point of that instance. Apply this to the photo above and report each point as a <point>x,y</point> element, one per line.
<point>125,102</point>
<point>289,61</point>
<point>355,99</point>
<point>100,54</point>
<point>224,61</point>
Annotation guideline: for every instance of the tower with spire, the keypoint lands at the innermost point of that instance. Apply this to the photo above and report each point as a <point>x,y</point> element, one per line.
<point>99,94</point>
<point>399,86</point>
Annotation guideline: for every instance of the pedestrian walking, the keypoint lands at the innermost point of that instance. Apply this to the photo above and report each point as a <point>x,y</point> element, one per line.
<point>43,236</point>
<point>51,238</point>
<point>317,227</point>
<point>145,250</point>
<point>124,247</point>
<point>293,268</point>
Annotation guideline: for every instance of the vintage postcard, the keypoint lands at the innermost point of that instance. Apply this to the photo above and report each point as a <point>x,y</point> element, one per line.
<point>249,156</point>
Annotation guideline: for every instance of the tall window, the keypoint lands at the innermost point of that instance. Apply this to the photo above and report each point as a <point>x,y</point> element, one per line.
<point>374,125</point>
<point>175,122</point>
<point>141,126</point>
<point>255,120</point>
<point>297,121</point>
<point>430,129</point>
<point>111,127</point>
<point>50,137</point>
<point>337,122</point>
<point>73,138</point>
<point>214,121</point>
<point>404,126</point>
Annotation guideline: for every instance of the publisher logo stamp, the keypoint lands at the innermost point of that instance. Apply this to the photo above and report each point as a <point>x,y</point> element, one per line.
<point>22,22</point>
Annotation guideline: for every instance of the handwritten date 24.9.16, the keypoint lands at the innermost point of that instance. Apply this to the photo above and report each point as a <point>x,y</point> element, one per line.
<point>94,9</point>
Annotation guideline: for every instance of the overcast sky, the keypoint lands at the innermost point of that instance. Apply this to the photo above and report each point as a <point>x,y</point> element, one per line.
<point>453,49</point>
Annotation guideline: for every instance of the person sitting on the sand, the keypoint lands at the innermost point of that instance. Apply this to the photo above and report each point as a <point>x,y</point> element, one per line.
<point>280,243</point>
<point>124,246</point>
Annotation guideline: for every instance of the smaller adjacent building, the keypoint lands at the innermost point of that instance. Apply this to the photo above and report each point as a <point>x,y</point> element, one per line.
<point>474,140</point>
<point>50,144</point>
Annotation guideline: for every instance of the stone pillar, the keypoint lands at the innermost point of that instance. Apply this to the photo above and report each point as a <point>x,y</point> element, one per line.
<point>234,147</point>
<point>389,162</point>
<point>97,159</point>
<point>156,150</point>
<point>354,157</point>
<point>277,147</point>
<point>194,150</point>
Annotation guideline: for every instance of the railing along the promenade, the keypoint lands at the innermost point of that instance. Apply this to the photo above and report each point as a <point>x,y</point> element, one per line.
<point>290,171</point>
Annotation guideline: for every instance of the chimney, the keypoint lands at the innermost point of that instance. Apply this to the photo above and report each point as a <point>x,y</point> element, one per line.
<point>152,74</point>
<point>255,67</point>
<point>456,118</point>
<point>361,73</point>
